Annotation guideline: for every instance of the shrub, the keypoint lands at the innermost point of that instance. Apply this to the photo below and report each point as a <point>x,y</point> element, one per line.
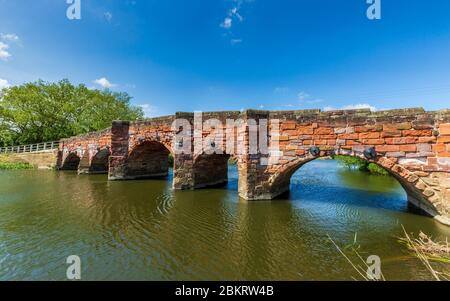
<point>361,164</point>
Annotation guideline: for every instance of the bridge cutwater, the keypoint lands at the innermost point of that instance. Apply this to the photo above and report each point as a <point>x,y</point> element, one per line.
<point>412,144</point>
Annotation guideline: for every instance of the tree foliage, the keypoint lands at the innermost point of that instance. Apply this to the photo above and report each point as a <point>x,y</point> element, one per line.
<point>41,111</point>
<point>360,164</point>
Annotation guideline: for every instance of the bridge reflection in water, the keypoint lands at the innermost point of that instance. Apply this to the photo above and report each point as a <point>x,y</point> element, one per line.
<point>145,230</point>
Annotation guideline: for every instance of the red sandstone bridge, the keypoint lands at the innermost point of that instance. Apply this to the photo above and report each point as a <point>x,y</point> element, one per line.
<point>412,144</point>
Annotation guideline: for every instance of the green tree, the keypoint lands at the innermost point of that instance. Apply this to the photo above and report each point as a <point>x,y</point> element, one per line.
<point>42,111</point>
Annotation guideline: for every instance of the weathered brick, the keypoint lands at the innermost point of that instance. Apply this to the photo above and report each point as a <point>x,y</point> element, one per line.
<point>439,148</point>
<point>352,136</point>
<point>352,142</point>
<point>404,140</point>
<point>423,147</point>
<point>305,131</point>
<point>443,139</point>
<point>323,131</point>
<point>444,129</point>
<point>387,148</point>
<point>392,133</point>
<point>417,133</point>
<point>288,126</point>
<point>331,142</point>
<point>340,130</point>
<point>408,148</point>
<point>327,137</point>
<point>320,142</point>
<point>369,135</point>
<point>395,154</point>
<point>369,128</point>
<point>403,126</point>
<point>373,141</point>
<point>289,132</point>
<point>291,147</point>
<point>420,155</point>
<point>427,139</point>
<point>300,152</point>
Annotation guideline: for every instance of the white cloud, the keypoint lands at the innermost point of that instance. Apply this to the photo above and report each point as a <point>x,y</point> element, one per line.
<point>148,109</point>
<point>305,98</point>
<point>289,106</point>
<point>108,16</point>
<point>4,54</point>
<point>4,84</point>
<point>235,41</point>
<point>227,23</point>
<point>103,82</point>
<point>281,90</point>
<point>233,14</point>
<point>10,37</point>
<point>353,107</point>
<point>302,96</point>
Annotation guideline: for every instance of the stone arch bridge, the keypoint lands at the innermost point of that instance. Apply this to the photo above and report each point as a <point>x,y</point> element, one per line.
<point>411,144</point>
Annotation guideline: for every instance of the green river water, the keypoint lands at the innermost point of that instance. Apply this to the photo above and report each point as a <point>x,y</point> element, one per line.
<point>143,230</point>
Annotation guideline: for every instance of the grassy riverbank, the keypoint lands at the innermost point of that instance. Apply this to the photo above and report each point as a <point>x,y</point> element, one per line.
<point>15,166</point>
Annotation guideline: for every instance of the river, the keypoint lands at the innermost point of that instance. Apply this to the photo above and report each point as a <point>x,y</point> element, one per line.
<point>143,230</point>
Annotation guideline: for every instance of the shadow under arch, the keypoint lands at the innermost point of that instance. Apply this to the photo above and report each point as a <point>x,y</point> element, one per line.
<point>211,170</point>
<point>71,162</point>
<point>149,159</point>
<point>281,181</point>
<point>100,162</point>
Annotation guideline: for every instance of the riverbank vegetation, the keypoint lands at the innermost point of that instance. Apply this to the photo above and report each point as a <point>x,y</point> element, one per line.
<point>42,111</point>
<point>15,166</point>
<point>433,255</point>
<point>361,268</point>
<point>360,164</point>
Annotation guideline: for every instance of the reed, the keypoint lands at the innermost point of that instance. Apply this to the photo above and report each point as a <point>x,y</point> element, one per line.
<point>428,251</point>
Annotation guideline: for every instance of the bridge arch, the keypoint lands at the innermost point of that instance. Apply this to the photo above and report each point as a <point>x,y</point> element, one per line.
<point>279,181</point>
<point>100,161</point>
<point>148,159</point>
<point>71,162</point>
<point>210,170</point>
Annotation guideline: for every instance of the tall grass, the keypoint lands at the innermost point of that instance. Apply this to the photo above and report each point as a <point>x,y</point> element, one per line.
<point>428,251</point>
<point>360,268</point>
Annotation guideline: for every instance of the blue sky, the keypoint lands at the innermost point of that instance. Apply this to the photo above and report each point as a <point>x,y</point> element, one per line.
<point>186,55</point>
